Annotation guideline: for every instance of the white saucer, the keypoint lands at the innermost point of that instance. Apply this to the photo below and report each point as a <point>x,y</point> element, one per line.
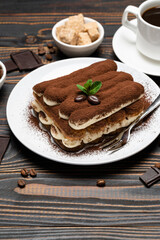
<point>124,46</point>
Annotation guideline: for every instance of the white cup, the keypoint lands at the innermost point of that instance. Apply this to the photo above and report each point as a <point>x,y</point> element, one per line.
<point>147,35</point>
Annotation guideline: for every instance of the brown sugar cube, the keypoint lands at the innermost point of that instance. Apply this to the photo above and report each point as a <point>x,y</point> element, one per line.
<point>83,38</point>
<point>76,22</point>
<point>58,29</point>
<point>90,25</point>
<point>93,33</point>
<point>68,35</point>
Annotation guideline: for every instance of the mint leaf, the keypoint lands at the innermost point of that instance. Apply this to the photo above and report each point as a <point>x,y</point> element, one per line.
<point>90,88</point>
<point>95,87</point>
<point>88,84</point>
<point>82,89</point>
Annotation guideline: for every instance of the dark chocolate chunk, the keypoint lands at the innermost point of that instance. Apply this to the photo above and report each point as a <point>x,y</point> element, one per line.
<point>10,66</point>
<point>151,176</point>
<point>92,99</point>
<point>26,60</point>
<point>4,141</point>
<point>80,98</point>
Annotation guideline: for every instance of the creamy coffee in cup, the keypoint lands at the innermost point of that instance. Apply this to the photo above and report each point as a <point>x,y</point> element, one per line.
<point>147,29</point>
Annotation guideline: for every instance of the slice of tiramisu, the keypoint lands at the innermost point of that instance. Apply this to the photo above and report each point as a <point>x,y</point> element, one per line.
<point>86,105</point>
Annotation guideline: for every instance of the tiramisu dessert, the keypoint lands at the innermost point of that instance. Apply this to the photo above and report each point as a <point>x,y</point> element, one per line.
<point>87,105</point>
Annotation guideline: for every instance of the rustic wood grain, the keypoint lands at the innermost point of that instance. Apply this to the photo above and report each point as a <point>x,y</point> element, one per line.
<point>63,201</point>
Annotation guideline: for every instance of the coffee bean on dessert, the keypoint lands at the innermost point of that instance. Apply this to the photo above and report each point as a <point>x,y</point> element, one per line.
<point>101,183</point>
<point>48,56</point>
<point>24,172</point>
<point>21,183</point>
<point>33,172</point>
<point>50,45</point>
<point>41,50</point>
<point>157,165</point>
<point>80,98</point>
<point>93,100</point>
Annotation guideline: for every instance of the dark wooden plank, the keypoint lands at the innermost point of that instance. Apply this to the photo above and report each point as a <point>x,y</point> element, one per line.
<point>76,233</point>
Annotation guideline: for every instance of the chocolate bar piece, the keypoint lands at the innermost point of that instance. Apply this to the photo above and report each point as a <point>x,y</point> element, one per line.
<point>10,66</point>
<point>26,60</point>
<point>4,141</point>
<point>151,176</point>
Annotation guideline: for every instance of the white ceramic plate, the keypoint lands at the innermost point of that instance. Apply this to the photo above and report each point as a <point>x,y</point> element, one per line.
<point>35,140</point>
<point>124,46</point>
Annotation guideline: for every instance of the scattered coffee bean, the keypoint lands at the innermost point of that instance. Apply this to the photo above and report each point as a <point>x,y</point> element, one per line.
<point>48,56</point>
<point>52,50</point>
<point>24,172</point>
<point>101,183</point>
<point>157,165</point>
<point>33,172</point>
<point>21,183</point>
<point>50,45</point>
<point>93,100</point>
<point>41,50</point>
<point>80,98</point>
<point>31,39</point>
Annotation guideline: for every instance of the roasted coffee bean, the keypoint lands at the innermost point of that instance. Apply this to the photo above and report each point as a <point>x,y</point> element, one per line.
<point>31,39</point>
<point>24,172</point>
<point>92,99</point>
<point>21,183</point>
<point>48,56</point>
<point>157,165</point>
<point>41,50</point>
<point>101,183</point>
<point>33,172</point>
<point>50,45</point>
<point>52,50</point>
<point>80,98</point>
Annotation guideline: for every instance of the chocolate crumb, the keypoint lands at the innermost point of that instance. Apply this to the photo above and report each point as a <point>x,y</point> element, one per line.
<point>101,183</point>
<point>33,172</point>
<point>24,172</point>
<point>21,183</point>
<point>49,57</point>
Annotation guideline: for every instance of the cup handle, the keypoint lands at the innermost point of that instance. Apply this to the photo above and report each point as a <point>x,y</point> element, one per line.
<point>125,21</point>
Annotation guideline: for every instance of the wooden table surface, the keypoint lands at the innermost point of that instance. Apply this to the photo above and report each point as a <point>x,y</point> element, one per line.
<point>57,204</point>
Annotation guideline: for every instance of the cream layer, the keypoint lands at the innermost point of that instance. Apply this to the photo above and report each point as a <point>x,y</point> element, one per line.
<point>88,136</point>
<point>82,125</point>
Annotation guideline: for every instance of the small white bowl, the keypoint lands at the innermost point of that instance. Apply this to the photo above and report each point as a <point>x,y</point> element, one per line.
<point>3,78</point>
<point>74,50</point>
